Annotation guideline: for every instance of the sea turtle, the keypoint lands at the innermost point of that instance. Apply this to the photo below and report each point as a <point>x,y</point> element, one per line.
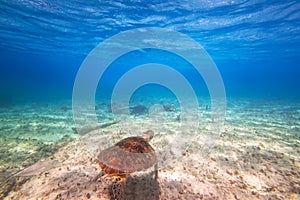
<point>129,155</point>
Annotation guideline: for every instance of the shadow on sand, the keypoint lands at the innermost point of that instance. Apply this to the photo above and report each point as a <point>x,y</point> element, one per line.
<point>142,187</point>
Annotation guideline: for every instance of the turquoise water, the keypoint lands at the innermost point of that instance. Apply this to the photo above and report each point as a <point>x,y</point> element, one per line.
<point>254,45</point>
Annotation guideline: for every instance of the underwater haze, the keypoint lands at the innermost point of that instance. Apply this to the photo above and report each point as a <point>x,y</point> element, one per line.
<point>253,46</point>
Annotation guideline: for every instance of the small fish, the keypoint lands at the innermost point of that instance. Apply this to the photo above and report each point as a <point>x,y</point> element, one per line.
<point>38,168</point>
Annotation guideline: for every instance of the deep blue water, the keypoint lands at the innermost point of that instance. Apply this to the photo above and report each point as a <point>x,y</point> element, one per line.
<point>255,44</point>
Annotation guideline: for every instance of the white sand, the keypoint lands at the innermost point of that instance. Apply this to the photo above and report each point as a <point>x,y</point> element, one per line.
<point>256,157</point>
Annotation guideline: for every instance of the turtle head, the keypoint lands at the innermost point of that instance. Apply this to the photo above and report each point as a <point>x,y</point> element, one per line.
<point>148,135</point>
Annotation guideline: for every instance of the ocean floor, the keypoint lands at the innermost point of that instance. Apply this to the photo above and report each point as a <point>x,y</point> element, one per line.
<point>256,156</point>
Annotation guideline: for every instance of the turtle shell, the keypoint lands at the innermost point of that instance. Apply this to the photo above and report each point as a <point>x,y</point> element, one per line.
<point>130,155</point>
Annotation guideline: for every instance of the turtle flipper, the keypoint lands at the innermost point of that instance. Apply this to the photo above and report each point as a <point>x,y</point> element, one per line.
<point>118,188</point>
<point>101,175</point>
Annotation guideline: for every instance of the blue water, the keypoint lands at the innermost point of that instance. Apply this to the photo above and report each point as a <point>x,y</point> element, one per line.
<point>255,44</point>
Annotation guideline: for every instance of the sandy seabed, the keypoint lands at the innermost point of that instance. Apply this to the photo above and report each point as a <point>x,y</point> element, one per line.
<point>257,156</point>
